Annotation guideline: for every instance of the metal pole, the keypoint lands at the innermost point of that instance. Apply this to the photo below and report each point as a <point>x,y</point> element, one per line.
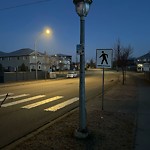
<point>35,52</point>
<point>45,64</point>
<point>82,108</point>
<point>103,90</point>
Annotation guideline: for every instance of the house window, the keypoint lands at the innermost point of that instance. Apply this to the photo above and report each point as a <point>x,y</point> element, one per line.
<point>24,57</point>
<point>9,58</point>
<point>18,58</point>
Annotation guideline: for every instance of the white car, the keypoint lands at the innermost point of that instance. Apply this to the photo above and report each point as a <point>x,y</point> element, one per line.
<point>72,75</point>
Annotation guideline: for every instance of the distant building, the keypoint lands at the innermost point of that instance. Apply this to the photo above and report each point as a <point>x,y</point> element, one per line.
<point>60,62</point>
<point>27,60</point>
<point>24,60</point>
<point>144,59</point>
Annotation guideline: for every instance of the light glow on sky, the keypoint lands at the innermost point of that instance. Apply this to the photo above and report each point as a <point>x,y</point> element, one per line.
<point>107,21</point>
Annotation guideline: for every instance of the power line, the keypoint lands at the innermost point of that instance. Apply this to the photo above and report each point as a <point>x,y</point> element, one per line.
<point>22,5</point>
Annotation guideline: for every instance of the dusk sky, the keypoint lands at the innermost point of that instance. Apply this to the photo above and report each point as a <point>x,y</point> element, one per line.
<point>107,21</point>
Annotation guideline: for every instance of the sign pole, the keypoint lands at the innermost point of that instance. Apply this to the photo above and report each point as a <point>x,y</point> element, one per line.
<point>103,60</point>
<point>103,90</point>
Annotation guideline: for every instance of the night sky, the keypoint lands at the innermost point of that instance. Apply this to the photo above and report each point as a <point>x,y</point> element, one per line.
<point>22,21</point>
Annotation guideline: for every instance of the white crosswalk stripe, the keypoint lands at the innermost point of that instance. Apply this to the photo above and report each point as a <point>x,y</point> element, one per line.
<point>13,97</point>
<point>32,104</point>
<point>61,105</point>
<point>22,101</point>
<point>42,102</point>
<point>2,95</point>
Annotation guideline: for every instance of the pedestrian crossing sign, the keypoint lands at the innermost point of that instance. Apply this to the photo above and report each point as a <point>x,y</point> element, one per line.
<point>104,58</point>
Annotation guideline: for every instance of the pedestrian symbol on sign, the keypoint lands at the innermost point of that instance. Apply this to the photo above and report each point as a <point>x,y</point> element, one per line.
<point>104,57</point>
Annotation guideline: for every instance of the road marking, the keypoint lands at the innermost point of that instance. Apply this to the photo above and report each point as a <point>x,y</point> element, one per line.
<point>2,95</point>
<point>61,105</point>
<point>42,102</point>
<point>12,97</point>
<point>22,101</point>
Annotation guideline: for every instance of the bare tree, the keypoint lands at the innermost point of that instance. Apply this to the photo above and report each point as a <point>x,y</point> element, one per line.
<point>122,55</point>
<point>92,64</point>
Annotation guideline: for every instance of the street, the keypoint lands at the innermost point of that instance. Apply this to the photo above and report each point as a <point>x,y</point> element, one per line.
<point>31,105</point>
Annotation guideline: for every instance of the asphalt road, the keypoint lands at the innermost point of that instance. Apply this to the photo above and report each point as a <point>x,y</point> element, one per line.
<point>30,104</point>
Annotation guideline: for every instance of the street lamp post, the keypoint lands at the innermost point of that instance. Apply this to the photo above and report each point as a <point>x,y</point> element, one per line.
<point>36,65</point>
<point>47,32</point>
<point>82,9</point>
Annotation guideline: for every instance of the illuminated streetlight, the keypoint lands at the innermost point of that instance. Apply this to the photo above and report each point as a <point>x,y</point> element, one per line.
<point>48,31</point>
<point>82,9</point>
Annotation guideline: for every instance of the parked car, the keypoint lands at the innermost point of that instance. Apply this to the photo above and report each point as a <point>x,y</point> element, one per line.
<point>72,75</point>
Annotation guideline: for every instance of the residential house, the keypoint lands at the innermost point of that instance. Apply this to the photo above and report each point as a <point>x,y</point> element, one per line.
<point>60,62</point>
<point>144,59</point>
<point>24,60</point>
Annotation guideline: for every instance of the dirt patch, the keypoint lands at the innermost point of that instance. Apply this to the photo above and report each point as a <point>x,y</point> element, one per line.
<point>107,131</point>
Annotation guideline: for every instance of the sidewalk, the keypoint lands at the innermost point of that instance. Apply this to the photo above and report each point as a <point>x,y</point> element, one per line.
<point>143,120</point>
<point>111,129</point>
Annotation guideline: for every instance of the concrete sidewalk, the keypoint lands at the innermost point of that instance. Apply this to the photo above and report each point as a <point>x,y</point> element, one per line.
<point>143,118</point>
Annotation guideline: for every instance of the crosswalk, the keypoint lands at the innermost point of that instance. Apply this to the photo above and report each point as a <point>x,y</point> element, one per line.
<point>12,97</point>
<point>61,105</point>
<point>22,101</point>
<point>2,95</point>
<point>35,101</point>
<point>42,102</point>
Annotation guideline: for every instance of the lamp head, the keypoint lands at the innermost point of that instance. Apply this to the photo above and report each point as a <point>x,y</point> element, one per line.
<point>82,7</point>
<point>85,1</point>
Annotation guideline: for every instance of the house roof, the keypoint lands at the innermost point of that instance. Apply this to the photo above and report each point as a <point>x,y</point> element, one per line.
<point>146,56</point>
<point>2,53</point>
<point>20,52</point>
<point>27,52</point>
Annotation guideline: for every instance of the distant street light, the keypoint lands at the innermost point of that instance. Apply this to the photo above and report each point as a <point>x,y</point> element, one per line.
<point>82,9</point>
<point>46,31</point>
